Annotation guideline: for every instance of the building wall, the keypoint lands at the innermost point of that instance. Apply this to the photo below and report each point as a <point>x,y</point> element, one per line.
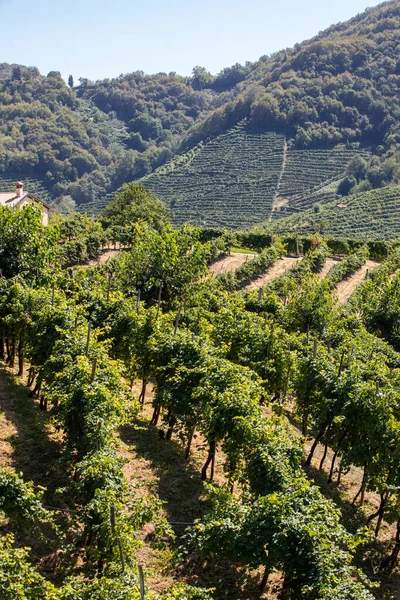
<point>45,211</point>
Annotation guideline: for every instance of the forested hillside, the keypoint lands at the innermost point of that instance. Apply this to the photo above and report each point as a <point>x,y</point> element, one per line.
<point>329,97</point>
<point>85,141</point>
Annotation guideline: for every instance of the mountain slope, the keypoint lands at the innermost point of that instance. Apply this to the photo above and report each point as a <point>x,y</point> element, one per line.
<point>374,214</point>
<point>241,178</point>
<point>87,141</point>
<point>334,97</point>
<point>231,181</point>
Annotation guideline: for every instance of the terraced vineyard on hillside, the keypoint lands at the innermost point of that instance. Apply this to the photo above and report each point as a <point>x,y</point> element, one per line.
<point>230,182</point>
<point>95,207</point>
<point>375,214</point>
<point>311,176</point>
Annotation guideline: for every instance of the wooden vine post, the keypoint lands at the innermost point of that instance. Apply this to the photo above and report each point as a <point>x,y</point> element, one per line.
<point>121,553</point>
<point>88,337</point>
<point>141,582</point>
<point>119,541</point>
<point>159,299</point>
<point>178,318</point>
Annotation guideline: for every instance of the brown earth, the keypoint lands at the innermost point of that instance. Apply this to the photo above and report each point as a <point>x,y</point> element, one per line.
<point>329,263</point>
<point>103,258</point>
<point>230,263</point>
<point>28,444</point>
<point>276,270</point>
<point>345,288</point>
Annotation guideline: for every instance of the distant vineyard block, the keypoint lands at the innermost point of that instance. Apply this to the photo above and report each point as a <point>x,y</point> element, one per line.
<point>231,181</point>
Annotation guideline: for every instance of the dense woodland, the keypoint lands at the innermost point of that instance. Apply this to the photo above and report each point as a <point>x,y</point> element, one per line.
<point>274,398</point>
<point>84,141</point>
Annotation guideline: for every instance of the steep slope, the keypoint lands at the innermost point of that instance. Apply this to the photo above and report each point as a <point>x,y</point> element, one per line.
<point>230,181</point>
<point>342,85</point>
<point>86,141</point>
<point>374,214</point>
<point>332,97</point>
<point>306,173</point>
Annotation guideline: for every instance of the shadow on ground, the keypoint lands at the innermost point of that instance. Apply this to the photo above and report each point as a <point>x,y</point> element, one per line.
<point>35,452</point>
<point>180,487</point>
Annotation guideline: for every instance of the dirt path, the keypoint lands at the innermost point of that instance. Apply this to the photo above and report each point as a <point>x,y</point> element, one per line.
<point>28,442</point>
<point>329,263</point>
<point>279,268</point>
<point>229,263</point>
<point>107,255</point>
<point>8,430</point>
<point>284,163</point>
<point>345,288</point>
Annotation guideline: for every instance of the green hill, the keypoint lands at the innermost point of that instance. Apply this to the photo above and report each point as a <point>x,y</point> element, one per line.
<point>241,178</point>
<point>374,214</point>
<point>230,181</point>
<point>307,173</point>
<point>311,109</point>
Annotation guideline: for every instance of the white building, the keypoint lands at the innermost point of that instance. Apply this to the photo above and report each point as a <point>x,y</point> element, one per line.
<point>18,199</point>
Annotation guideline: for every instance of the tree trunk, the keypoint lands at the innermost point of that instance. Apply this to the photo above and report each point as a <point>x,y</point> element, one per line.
<point>212,467</point>
<point>31,376</point>
<point>171,425</point>
<point>340,471</point>
<point>363,485</point>
<point>189,442</point>
<point>379,513</point>
<point>36,390</point>
<point>336,454</point>
<point>264,579</point>
<point>391,560</point>
<point>143,392</point>
<point>11,360</point>
<point>156,414</point>
<point>2,345</point>
<point>210,459</point>
<point>317,439</point>
<point>321,464</point>
<point>21,357</point>
<point>304,424</point>
<point>380,516</point>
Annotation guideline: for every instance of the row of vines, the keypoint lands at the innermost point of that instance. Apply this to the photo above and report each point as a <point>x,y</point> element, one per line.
<point>228,367</point>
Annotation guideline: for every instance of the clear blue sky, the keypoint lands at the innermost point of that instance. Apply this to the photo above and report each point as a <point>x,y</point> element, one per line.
<point>103,38</point>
